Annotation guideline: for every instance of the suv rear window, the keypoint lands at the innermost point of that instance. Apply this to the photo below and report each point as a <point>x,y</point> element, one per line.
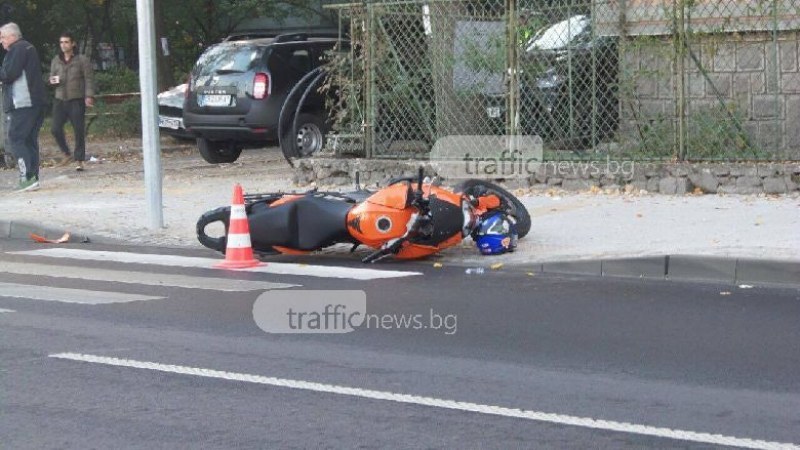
<point>230,58</point>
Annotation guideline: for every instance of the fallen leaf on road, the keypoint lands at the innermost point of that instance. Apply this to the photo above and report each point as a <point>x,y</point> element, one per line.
<point>438,265</point>
<point>496,266</point>
<point>531,274</point>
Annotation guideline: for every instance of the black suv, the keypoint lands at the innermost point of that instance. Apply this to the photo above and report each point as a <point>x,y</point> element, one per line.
<point>238,87</point>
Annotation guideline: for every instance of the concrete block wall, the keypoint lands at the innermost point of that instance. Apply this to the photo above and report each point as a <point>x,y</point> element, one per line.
<point>753,75</point>
<point>665,178</point>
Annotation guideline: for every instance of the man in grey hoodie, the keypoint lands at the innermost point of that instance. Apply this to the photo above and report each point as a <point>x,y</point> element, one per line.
<point>24,91</point>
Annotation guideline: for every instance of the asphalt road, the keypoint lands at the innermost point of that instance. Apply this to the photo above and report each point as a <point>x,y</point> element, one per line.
<point>648,361</point>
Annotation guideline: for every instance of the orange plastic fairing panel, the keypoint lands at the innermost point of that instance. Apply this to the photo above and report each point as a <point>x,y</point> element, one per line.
<point>414,251</point>
<point>284,199</point>
<point>394,196</point>
<point>374,224</point>
<point>488,203</point>
<point>290,251</point>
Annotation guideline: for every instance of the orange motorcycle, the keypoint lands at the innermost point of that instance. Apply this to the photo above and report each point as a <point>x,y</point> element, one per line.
<point>407,219</point>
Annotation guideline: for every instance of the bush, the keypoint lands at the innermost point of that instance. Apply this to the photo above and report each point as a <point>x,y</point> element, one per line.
<point>117,120</point>
<point>116,81</point>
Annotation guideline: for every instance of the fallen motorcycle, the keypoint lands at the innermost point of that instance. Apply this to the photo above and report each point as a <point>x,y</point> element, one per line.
<point>407,219</point>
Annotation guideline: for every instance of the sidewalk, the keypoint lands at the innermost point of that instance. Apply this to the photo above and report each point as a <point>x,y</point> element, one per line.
<point>602,232</point>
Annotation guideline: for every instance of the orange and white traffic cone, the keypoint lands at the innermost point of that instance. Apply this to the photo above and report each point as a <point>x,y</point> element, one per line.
<point>238,250</point>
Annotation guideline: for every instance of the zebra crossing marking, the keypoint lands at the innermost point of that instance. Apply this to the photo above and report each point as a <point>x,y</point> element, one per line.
<point>352,273</point>
<point>67,295</point>
<point>133,277</point>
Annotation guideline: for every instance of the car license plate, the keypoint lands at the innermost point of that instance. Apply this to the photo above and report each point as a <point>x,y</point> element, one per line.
<point>214,100</point>
<point>493,112</point>
<point>170,122</point>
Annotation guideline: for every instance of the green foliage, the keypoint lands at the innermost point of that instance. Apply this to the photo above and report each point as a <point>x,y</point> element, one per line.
<point>712,134</point>
<point>190,25</point>
<point>490,56</point>
<point>116,120</point>
<point>117,81</point>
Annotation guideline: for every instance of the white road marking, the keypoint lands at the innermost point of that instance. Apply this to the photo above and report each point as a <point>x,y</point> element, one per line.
<point>6,311</point>
<point>584,422</point>
<point>207,263</point>
<point>146,278</point>
<point>65,295</point>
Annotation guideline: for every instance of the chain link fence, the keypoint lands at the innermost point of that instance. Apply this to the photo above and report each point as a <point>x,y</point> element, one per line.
<point>641,79</point>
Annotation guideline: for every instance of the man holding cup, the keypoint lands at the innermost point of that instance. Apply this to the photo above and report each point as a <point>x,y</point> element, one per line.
<point>73,78</point>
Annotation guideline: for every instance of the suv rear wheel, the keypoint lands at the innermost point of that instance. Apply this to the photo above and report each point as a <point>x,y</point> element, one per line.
<point>217,152</point>
<point>307,139</point>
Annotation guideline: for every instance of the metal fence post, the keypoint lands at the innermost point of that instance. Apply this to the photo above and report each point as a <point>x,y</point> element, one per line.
<point>776,65</point>
<point>680,76</point>
<point>369,113</point>
<point>513,68</point>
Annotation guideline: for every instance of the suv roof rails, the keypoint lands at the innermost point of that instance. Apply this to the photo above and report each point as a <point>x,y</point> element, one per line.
<point>291,37</point>
<point>297,34</point>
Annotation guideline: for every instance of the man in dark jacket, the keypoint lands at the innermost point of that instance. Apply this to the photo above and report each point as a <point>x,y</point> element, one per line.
<point>73,78</point>
<point>24,91</point>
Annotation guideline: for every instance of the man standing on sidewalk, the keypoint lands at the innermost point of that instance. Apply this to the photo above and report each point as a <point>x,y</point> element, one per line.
<point>24,95</point>
<point>73,78</point>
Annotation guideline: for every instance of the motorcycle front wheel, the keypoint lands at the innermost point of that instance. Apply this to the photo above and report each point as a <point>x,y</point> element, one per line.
<point>519,211</point>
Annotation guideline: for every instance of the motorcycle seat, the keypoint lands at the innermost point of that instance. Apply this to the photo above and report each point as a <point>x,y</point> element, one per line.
<point>308,223</point>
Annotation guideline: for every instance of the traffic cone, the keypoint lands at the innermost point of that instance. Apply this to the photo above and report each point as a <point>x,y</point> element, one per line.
<point>238,250</point>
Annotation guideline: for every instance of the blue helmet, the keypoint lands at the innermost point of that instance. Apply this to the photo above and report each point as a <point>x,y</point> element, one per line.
<point>496,234</point>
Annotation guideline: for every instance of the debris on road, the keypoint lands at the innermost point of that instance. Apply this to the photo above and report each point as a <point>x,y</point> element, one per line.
<point>44,240</point>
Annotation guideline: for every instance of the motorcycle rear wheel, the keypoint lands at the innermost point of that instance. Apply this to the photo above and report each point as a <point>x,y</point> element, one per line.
<point>519,211</point>
<point>219,244</point>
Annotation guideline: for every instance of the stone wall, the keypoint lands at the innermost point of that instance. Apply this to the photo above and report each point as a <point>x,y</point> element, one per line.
<point>665,178</point>
<point>754,78</point>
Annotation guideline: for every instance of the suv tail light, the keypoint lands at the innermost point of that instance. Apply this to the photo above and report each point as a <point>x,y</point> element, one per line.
<point>261,86</point>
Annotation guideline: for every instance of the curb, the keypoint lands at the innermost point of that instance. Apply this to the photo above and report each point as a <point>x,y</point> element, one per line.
<point>729,270</point>
<point>691,268</point>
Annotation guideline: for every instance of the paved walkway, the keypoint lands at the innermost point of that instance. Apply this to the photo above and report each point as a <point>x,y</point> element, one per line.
<point>108,201</point>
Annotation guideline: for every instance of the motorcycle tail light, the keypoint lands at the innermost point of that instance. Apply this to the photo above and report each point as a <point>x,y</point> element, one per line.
<point>261,86</point>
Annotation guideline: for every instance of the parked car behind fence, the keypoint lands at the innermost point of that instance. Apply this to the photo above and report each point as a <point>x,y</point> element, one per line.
<point>567,86</point>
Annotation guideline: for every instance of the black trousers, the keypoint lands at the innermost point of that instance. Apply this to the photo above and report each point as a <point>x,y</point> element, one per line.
<point>74,111</point>
<point>23,137</point>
